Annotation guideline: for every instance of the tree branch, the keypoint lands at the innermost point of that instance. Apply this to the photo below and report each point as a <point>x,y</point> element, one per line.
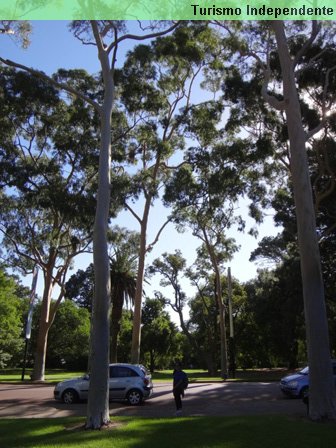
<point>156,239</point>
<point>137,217</point>
<point>316,27</point>
<point>325,109</point>
<point>48,79</point>
<point>270,99</point>
<point>140,38</point>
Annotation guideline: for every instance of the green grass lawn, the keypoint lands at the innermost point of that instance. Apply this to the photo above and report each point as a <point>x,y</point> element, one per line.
<point>193,432</point>
<point>264,375</point>
<point>53,376</point>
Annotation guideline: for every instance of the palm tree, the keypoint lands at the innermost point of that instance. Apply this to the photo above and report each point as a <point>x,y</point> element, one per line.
<point>123,286</point>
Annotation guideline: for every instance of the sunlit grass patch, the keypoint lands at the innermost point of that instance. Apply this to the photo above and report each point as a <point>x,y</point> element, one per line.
<point>52,376</point>
<point>193,432</point>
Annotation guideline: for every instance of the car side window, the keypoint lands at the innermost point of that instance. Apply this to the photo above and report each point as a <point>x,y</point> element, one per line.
<point>121,372</point>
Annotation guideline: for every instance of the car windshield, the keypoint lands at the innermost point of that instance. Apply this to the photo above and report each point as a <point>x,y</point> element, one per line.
<point>305,371</point>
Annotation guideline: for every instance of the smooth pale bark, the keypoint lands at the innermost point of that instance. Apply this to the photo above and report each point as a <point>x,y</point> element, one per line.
<point>98,400</point>
<point>136,331</point>
<point>98,406</point>
<point>47,316</point>
<point>116,315</point>
<point>221,309</point>
<point>322,398</point>
<point>144,248</point>
<point>42,336</point>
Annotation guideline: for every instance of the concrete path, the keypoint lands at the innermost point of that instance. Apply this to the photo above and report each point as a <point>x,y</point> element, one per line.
<point>201,399</point>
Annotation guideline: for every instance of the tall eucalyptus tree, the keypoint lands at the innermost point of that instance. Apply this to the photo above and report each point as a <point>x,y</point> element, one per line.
<point>171,268</point>
<point>205,193</point>
<point>47,186</point>
<point>294,65</point>
<point>322,392</point>
<point>107,36</point>
<point>158,86</point>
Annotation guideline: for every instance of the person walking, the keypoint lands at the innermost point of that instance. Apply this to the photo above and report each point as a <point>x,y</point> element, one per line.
<point>180,383</point>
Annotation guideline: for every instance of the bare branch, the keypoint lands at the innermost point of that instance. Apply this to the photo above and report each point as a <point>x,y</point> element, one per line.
<point>156,239</point>
<point>137,217</point>
<point>173,167</point>
<point>18,251</point>
<point>140,38</point>
<point>316,27</point>
<point>270,99</point>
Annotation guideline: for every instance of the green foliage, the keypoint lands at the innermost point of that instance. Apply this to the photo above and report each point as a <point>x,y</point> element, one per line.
<point>12,311</point>
<point>156,89</point>
<point>275,308</point>
<point>68,345</point>
<point>188,43</point>
<point>125,336</point>
<point>48,167</point>
<point>233,146</point>
<point>79,287</point>
<point>44,156</point>
<point>123,288</point>
<point>204,321</point>
<point>204,318</point>
<point>159,336</point>
<point>171,267</point>
<point>273,317</point>
<point>123,248</point>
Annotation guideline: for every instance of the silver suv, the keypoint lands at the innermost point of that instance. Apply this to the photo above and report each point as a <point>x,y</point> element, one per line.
<point>129,382</point>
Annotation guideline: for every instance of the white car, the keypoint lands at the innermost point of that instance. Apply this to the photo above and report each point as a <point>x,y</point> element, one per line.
<point>129,382</point>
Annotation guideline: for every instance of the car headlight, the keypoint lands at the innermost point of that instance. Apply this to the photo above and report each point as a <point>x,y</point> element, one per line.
<point>292,383</point>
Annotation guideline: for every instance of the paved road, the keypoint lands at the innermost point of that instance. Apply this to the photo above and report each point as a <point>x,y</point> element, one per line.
<point>25,400</point>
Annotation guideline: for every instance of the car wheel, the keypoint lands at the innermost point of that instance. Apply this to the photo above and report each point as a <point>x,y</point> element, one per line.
<point>134,397</point>
<point>304,392</point>
<point>70,396</point>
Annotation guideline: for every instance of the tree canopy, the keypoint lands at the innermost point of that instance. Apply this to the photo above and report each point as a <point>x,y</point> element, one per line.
<point>199,117</point>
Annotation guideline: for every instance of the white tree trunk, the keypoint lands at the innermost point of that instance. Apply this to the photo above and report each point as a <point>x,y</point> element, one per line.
<point>136,331</point>
<point>44,326</point>
<point>98,401</point>
<point>98,404</point>
<point>221,307</point>
<point>322,396</point>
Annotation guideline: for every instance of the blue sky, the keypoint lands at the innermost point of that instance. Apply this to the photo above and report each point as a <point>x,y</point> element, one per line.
<point>53,47</point>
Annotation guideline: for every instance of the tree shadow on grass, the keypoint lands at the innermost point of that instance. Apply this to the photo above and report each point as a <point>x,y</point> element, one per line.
<point>196,432</point>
